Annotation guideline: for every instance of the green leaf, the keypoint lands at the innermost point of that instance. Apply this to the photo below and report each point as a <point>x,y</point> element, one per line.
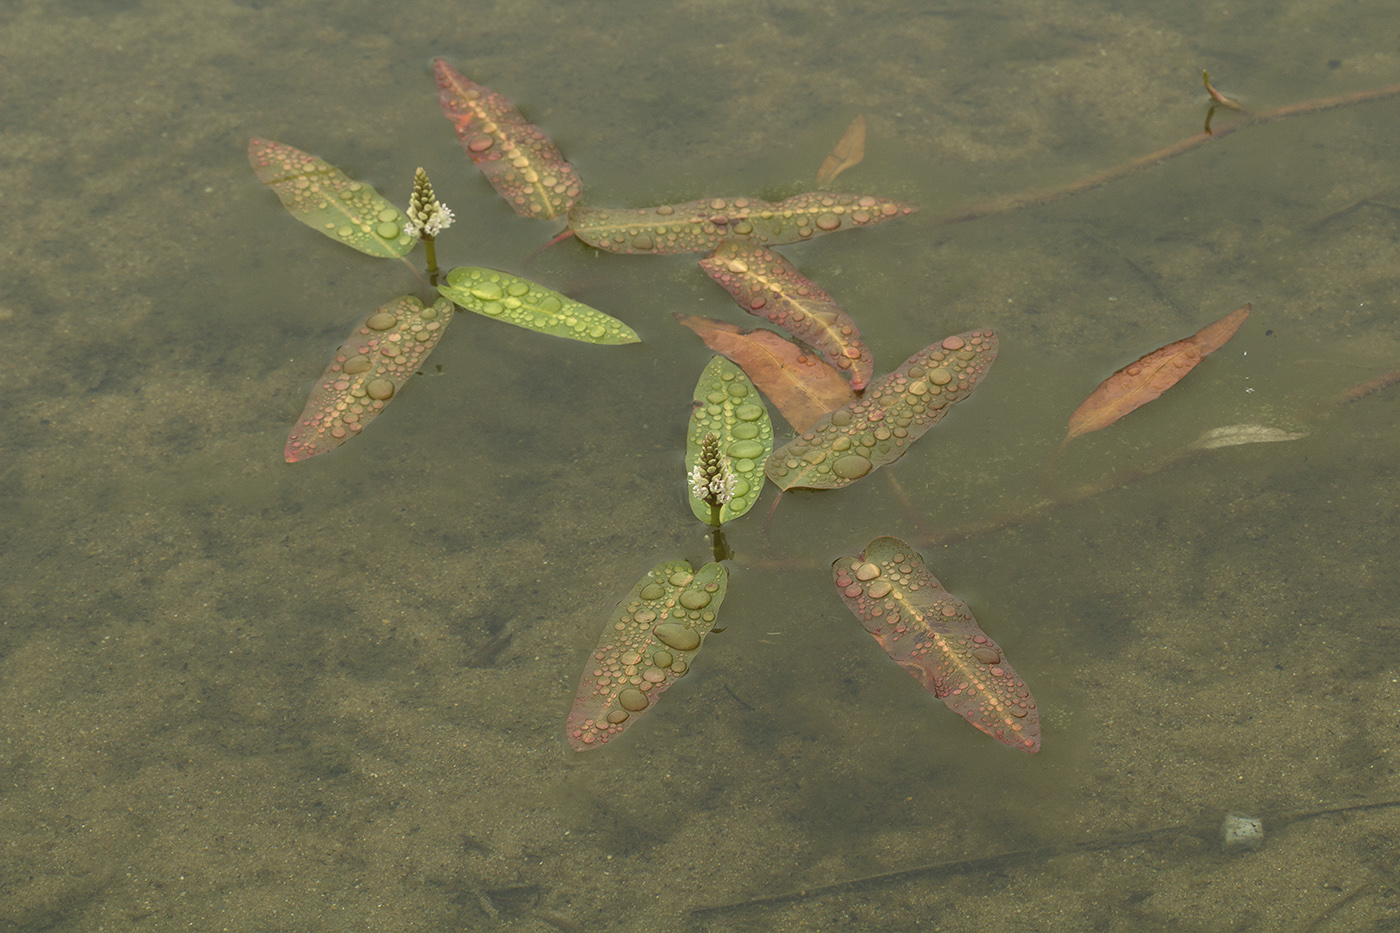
<point>329,201</point>
<point>529,305</point>
<point>854,440</point>
<point>728,406</point>
<point>699,226</point>
<point>648,643</point>
<point>367,373</point>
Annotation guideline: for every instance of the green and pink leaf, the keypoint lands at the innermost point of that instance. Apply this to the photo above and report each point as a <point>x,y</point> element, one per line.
<point>765,284</point>
<point>932,635</point>
<point>648,643</point>
<point>367,373</point>
<point>700,226</point>
<point>520,161</point>
<point>329,201</point>
<point>849,443</point>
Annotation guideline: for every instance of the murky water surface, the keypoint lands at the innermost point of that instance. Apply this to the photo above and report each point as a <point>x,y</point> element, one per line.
<point>241,695</point>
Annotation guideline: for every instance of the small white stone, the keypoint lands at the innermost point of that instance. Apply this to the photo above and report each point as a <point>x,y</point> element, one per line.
<point>1241,832</point>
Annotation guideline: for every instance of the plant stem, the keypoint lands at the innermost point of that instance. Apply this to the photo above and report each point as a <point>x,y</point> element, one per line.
<point>431,249</point>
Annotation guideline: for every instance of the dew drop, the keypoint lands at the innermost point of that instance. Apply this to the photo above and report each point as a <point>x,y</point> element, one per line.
<point>851,466</point>
<point>632,699</point>
<point>695,599</point>
<point>675,635</point>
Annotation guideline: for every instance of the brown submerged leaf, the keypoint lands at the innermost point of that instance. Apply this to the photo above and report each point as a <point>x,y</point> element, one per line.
<point>847,153</point>
<point>1139,383</point>
<point>799,384</point>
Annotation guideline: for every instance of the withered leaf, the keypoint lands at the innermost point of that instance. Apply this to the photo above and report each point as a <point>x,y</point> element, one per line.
<point>1140,382</point>
<point>849,150</point>
<point>1216,96</point>
<point>799,384</point>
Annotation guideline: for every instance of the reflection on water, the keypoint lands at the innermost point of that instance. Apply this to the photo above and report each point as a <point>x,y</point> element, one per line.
<point>244,695</point>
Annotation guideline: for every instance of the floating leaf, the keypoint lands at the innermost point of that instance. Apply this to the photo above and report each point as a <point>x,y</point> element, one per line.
<point>519,160</point>
<point>877,429</point>
<point>849,150</point>
<point>1232,435</point>
<point>699,226</point>
<point>648,643</point>
<point>329,201</point>
<point>766,284</point>
<point>366,374</point>
<point>727,405</point>
<point>801,386</point>
<point>527,304</point>
<point>1139,383</point>
<point>933,636</point>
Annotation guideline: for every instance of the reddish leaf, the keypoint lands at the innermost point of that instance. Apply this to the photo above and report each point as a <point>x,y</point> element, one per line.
<point>367,373</point>
<point>516,156</point>
<point>700,226</point>
<point>766,284</point>
<point>1139,383</point>
<point>933,636</point>
<point>849,150</point>
<point>853,441</point>
<point>801,386</point>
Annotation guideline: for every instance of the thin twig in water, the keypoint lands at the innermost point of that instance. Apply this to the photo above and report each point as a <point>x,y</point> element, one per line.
<point>1030,198</point>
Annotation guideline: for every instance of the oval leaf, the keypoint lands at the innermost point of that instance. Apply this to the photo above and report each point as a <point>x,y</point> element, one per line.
<point>367,373</point>
<point>329,201</point>
<point>527,304</point>
<point>801,386</point>
<point>933,636</point>
<point>1140,382</point>
<point>728,406</point>
<point>699,226</point>
<point>766,284</point>
<point>649,642</point>
<point>850,442</point>
<point>520,161</point>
